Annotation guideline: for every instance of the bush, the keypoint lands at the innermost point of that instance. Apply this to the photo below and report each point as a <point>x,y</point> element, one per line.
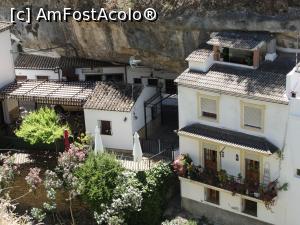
<point>97,179</point>
<point>41,126</point>
<point>157,183</point>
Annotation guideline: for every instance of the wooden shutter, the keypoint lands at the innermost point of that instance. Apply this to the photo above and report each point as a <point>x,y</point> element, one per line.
<point>252,117</point>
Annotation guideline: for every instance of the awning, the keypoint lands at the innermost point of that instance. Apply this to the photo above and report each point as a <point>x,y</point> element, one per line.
<point>229,137</point>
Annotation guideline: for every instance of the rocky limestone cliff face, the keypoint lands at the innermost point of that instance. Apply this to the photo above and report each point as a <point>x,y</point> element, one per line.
<point>182,25</point>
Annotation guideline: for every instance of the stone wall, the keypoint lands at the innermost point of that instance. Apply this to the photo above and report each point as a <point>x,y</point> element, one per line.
<point>181,26</point>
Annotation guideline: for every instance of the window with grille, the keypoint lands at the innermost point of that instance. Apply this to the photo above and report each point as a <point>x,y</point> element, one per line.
<point>105,127</point>
<point>253,117</point>
<point>208,108</point>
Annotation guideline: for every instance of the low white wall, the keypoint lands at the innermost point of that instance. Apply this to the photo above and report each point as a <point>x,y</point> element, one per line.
<point>196,191</point>
<point>122,135</point>
<point>32,74</point>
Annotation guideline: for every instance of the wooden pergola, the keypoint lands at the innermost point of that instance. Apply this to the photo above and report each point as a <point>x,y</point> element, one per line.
<point>49,92</point>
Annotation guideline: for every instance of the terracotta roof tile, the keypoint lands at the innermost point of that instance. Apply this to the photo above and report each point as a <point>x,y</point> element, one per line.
<point>5,26</point>
<point>31,61</point>
<point>200,55</point>
<point>231,80</point>
<point>113,97</point>
<point>238,39</point>
<point>27,61</point>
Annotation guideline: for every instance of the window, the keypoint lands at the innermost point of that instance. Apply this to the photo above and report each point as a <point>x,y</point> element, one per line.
<point>21,78</point>
<point>94,77</point>
<point>212,196</point>
<point>117,77</point>
<point>105,127</point>
<point>298,172</point>
<point>253,117</point>
<point>152,82</point>
<point>137,80</point>
<point>250,207</point>
<point>171,87</point>
<point>209,108</point>
<point>42,77</point>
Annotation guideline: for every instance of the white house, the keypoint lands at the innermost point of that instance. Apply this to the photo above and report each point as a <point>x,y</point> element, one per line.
<point>118,110</point>
<point>7,73</point>
<point>238,113</point>
<point>42,67</point>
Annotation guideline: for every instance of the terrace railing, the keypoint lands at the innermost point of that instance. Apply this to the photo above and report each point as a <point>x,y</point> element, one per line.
<point>220,179</point>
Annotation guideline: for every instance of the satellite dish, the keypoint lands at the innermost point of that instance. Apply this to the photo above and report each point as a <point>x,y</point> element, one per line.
<point>134,62</point>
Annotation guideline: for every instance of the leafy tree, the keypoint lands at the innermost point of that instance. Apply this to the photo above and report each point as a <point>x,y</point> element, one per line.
<point>41,126</point>
<point>97,179</point>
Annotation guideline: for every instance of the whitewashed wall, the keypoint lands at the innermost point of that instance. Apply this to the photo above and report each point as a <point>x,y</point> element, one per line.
<point>7,73</point>
<point>288,209</point>
<point>121,137</point>
<point>202,66</point>
<point>196,191</point>
<point>230,114</point>
<point>32,74</point>
<point>138,119</point>
<point>105,70</point>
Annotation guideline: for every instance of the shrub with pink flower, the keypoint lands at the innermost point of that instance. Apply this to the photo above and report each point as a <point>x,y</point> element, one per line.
<point>8,169</point>
<point>181,164</point>
<point>33,178</point>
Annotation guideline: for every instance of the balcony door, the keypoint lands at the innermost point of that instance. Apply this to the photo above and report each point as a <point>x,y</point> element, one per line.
<point>211,159</point>
<point>252,171</point>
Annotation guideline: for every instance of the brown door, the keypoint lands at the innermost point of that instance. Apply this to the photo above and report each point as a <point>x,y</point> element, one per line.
<point>210,159</point>
<point>252,171</point>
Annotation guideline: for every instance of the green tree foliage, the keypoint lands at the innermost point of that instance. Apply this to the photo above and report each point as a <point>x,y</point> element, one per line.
<point>41,126</point>
<point>97,179</point>
<point>158,184</point>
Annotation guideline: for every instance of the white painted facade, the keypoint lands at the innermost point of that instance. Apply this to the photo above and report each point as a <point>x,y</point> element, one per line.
<point>281,127</point>
<point>233,203</point>
<point>82,73</point>
<point>7,73</point>
<point>32,74</point>
<point>123,124</point>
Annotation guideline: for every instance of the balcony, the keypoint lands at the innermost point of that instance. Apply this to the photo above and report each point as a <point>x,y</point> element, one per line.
<point>233,184</point>
<point>222,180</point>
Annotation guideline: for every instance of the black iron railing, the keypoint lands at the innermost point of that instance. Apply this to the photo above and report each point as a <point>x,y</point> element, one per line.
<point>221,179</point>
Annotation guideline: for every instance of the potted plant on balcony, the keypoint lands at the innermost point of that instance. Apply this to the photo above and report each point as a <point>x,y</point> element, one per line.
<point>181,165</point>
<point>223,178</point>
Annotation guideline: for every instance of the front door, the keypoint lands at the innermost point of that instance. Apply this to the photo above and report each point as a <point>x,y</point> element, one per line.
<point>210,159</point>
<point>252,171</point>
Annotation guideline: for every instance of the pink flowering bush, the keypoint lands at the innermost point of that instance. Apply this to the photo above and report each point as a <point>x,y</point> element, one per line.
<point>33,178</point>
<point>181,164</point>
<point>8,169</point>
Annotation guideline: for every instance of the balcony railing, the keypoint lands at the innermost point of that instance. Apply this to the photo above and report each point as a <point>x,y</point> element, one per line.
<point>220,179</point>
